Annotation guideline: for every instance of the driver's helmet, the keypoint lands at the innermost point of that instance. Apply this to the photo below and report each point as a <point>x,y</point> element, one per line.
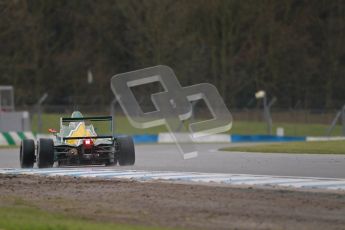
<point>75,114</point>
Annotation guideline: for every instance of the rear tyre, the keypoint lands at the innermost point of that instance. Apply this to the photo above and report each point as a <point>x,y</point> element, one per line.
<point>45,153</point>
<point>126,151</point>
<point>27,153</point>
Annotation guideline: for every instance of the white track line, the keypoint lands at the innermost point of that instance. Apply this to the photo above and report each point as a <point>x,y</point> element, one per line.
<point>220,178</point>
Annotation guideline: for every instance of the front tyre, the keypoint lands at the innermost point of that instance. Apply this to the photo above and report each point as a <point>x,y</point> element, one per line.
<point>27,153</point>
<point>126,151</point>
<point>45,153</point>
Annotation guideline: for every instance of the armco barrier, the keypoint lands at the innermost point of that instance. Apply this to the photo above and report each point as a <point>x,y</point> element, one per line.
<point>168,138</point>
<point>14,138</point>
<point>145,138</point>
<point>264,138</point>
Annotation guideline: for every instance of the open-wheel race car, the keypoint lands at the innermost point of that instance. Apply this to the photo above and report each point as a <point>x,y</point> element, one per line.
<point>78,144</point>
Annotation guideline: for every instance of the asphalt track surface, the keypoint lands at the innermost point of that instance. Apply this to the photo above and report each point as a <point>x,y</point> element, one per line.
<point>165,157</point>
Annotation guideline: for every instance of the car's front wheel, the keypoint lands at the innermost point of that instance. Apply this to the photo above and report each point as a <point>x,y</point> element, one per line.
<point>45,153</point>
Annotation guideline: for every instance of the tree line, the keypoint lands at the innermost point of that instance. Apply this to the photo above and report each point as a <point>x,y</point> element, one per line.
<point>292,49</point>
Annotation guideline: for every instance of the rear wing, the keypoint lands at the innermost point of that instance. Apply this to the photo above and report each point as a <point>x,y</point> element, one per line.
<point>90,137</point>
<point>93,118</point>
<point>96,118</point>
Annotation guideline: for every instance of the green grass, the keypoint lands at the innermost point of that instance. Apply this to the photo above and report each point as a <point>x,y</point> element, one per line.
<point>320,147</point>
<point>290,129</point>
<point>123,126</point>
<point>21,217</point>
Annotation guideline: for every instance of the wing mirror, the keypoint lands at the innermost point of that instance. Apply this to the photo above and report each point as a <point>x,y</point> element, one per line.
<point>53,131</point>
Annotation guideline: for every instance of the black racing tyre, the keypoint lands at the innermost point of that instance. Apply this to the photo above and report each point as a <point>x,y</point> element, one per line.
<point>126,152</point>
<point>45,153</point>
<point>27,153</point>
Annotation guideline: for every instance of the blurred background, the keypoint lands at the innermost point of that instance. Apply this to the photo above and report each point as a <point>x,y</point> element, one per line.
<point>59,55</point>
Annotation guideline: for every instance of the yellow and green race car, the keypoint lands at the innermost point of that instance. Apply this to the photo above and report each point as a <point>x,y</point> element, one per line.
<point>77,143</point>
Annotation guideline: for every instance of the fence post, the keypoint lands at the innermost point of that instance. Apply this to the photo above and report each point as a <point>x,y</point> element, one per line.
<point>39,112</point>
<point>267,113</point>
<point>343,119</point>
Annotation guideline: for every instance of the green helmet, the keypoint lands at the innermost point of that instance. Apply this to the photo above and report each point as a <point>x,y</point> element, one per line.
<point>77,114</point>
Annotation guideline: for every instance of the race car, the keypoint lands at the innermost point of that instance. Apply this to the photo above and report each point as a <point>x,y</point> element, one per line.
<point>77,143</point>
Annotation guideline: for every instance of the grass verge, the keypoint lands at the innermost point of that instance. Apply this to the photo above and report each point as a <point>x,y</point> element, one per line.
<point>319,147</point>
<point>21,217</point>
<point>123,126</point>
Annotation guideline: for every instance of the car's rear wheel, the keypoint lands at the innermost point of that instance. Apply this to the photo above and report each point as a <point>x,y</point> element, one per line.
<point>27,153</point>
<point>45,153</point>
<point>126,151</point>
